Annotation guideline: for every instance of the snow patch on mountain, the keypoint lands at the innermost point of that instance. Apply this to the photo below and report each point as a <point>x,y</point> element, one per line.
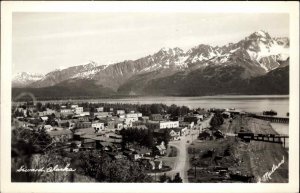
<point>25,78</point>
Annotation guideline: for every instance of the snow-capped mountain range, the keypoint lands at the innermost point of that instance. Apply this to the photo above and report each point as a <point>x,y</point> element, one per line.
<point>25,78</point>
<point>257,54</point>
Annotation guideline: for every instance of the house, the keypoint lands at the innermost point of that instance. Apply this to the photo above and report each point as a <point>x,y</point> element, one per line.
<point>109,122</point>
<point>63,123</point>
<point>107,139</point>
<point>143,152</point>
<point>88,143</point>
<point>114,136</point>
<point>189,125</point>
<point>192,118</point>
<point>98,126</point>
<point>137,154</point>
<point>47,112</point>
<point>156,164</point>
<point>100,109</point>
<point>119,126</point>
<point>83,118</point>
<point>175,134</point>
<point>156,117</point>
<point>200,117</point>
<point>74,106</point>
<point>177,118</point>
<point>132,115</point>
<point>161,149</point>
<point>120,112</point>
<point>203,125</point>
<point>61,135</point>
<point>246,135</point>
<point>121,116</point>
<point>72,125</point>
<point>140,127</point>
<point>168,124</point>
<point>203,112</point>
<point>44,119</point>
<point>86,113</point>
<point>66,112</point>
<point>167,116</point>
<point>129,120</point>
<point>86,131</point>
<point>84,124</point>
<point>144,119</point>
<point>48,128</point>
<point>101,114</point>
<point>78,110</point>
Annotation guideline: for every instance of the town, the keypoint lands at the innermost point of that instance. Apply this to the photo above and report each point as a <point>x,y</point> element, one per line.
<point>127,142</point>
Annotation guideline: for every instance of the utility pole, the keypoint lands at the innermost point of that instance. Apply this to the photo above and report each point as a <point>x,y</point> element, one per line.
<point>195,163</point>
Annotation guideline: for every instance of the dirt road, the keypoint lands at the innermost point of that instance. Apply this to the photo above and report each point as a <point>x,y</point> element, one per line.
<point>182,163</point>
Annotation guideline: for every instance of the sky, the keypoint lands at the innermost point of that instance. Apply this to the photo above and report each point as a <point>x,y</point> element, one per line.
<point>42,42</point>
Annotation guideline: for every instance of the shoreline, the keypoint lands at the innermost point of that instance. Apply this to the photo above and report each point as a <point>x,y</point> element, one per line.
<point>227,96</point>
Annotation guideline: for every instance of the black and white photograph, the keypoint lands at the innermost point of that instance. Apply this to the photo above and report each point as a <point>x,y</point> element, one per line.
<point>191,97</point>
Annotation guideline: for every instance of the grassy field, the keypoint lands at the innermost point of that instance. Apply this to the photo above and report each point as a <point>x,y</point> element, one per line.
<point>252,159</point>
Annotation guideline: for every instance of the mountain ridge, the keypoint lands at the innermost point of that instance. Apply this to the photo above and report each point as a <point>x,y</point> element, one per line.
<point>254,56</point>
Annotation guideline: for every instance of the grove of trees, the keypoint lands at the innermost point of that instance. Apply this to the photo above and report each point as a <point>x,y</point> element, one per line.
<point>217,120</point>
<point>103,168</point>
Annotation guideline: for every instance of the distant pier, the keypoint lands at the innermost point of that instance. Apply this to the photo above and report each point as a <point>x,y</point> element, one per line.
<point>271,118</point>
<point>271,138</point>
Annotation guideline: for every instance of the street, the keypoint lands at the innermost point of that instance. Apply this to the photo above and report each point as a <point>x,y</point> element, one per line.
<point>182,163</point>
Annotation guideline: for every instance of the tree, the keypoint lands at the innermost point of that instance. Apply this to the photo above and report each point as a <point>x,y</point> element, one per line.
<point>177,178</point>
<point>164,178</point>
<point>105,169</point>
<point>39,106</point>
<point>26,144</point>
<point>166,136</point>
<point>217,120</point>
<point>148,140</point>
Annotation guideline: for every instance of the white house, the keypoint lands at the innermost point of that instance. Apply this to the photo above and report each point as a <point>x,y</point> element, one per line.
<point>168,124</point>
<point>47,112</point>
<point>98,126</point>
<point>129,121</point>
<point>131,115</point>
<point>120,112</point>
<point>78,110</point>
<point>74,106</point>
<point>85,114</point>
<point>44,118</point>
<point>66,111</point>
<point>101,114</point>
<point>121,116</point>
<point>100,109</point>
<point>120,126</point>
